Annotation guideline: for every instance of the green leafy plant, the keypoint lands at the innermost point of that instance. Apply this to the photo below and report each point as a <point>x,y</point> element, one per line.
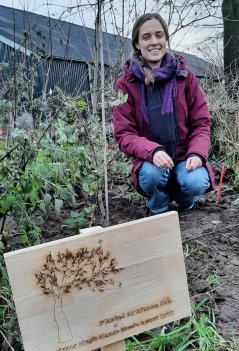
<point>236,180</point>
<point>9,330</point>
<point>59,167</point>
<point>50,169</point>
<point>196,333</point>
<point>121,98</point>
<point>77,220</point>
<point>214,280</point>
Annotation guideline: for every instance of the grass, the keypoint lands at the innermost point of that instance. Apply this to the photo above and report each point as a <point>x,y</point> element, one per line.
<point>214,280</point>
<point>196,333</point>
<point>9,330</point>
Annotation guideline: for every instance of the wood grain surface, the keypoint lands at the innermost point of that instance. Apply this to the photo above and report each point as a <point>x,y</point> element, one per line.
<point>95,289</point>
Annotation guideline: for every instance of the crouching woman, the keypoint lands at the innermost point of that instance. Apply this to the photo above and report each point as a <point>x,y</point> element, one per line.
<point>165,123</point>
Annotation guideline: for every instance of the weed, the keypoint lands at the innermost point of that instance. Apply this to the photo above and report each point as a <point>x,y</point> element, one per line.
<point>196,333</point>
<point>214,280</point>
<point>77,220</point>
<point>8,318</point>
<point>236,180</point>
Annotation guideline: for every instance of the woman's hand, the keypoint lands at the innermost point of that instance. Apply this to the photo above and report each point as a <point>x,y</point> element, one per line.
<point>162,159</point>
<point>193,162</point>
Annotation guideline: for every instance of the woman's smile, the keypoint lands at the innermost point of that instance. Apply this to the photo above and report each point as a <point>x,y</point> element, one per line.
<point>152,42</point>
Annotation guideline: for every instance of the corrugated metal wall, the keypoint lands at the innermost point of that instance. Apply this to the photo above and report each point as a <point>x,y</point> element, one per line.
<point>13,58</point>
<point>71,76</point>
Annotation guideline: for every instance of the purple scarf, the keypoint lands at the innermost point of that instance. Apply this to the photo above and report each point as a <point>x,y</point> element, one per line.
<point>158,102</point>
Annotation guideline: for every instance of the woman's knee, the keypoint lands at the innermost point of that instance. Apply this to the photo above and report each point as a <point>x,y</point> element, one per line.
<point>152,176</point>
<point>195,182</point>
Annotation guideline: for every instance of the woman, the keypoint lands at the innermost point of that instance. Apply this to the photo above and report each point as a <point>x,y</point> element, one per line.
<point>165,123</point>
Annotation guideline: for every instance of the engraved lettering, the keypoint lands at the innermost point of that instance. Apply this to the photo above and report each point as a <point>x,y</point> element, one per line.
<point>130,313</point>
<point>89,341</point>
<point>166,314</point>
<point>166,301</point>
<point>150,320</point>
<point>147,308</point>
<point>112,319</point>
<point>163,302</point>
<point>106,335</point>
<point>119,317</point>
<point>82,343</point>
<point>123,329</point>
<point>67,348</point>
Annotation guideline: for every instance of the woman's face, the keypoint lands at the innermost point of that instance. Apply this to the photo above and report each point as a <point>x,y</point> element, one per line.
<point>152,42</point>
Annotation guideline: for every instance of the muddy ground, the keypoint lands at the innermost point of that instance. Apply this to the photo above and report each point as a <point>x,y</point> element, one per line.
<point>210,236</point>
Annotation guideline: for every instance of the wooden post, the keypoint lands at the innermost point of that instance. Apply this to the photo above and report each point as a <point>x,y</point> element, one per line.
<point>116,346</point>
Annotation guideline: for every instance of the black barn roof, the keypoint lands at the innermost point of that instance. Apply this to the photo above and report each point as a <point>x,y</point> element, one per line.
<point>56,38</point>
<point>52,37</point>
<point>198,66</point>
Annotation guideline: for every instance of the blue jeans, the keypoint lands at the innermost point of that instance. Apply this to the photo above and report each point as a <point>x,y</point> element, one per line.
<point>163,185</point>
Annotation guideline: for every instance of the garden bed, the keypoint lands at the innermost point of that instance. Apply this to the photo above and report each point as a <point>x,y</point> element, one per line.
<point>210,236</point>
<point>210,242</point>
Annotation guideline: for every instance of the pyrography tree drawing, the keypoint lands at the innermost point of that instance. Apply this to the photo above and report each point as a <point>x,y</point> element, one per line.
<point>86,268</point>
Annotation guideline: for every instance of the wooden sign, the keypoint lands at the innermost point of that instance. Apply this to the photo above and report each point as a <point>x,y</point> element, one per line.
<point>91,290</point>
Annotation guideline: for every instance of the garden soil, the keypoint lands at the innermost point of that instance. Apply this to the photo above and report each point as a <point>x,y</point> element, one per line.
<point>210,237</point>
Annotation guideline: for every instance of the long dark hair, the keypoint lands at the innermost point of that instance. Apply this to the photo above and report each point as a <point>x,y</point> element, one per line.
<point>149,79</point>
<point>138,24</point>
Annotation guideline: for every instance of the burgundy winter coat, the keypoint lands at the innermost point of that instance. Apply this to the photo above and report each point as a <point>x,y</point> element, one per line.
<point>132,132</point>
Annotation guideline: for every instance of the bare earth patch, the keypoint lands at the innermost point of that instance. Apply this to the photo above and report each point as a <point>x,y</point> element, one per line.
<point>210,236</point>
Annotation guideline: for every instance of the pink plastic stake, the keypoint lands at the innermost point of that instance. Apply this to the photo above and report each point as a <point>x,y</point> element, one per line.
<point>220,184</point>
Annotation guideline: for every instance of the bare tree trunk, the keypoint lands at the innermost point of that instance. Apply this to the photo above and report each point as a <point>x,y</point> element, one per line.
<point>63,327</point>
<point>96,59</point>
<point>230,12</point>
<point>102,71</point>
